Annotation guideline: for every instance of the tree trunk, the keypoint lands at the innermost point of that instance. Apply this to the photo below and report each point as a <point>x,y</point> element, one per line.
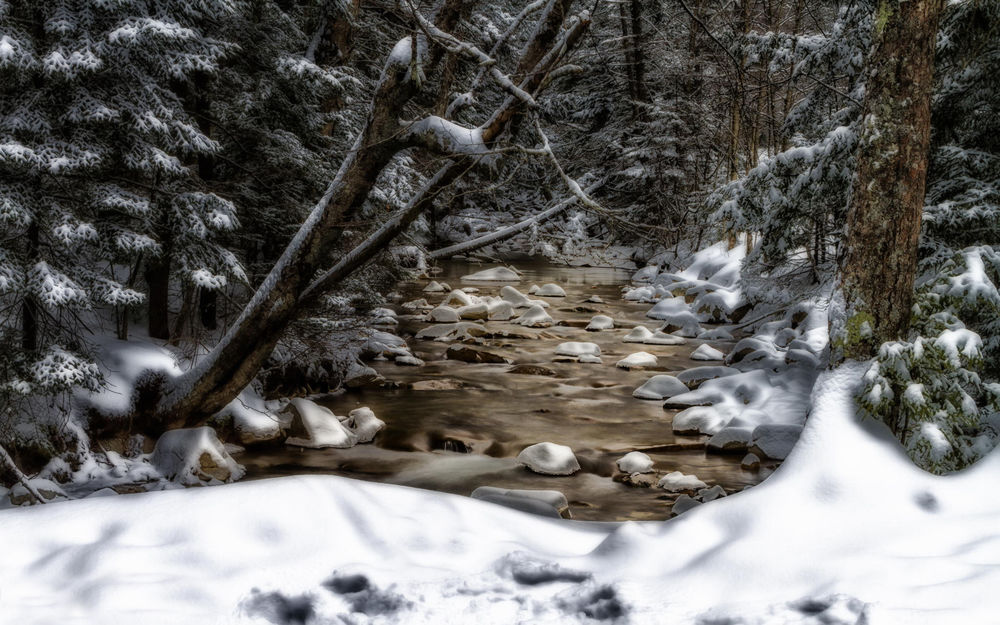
<point>158,280</point>
<point>29,308</point>
<point>883,221</point>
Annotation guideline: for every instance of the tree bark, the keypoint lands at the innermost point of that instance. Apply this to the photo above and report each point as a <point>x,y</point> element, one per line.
<point>887,198</point>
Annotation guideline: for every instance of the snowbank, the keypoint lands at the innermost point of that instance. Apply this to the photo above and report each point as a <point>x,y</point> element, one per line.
<point>815,543</point>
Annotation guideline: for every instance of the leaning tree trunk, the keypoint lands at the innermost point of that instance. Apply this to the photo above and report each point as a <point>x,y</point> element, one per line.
<point>883,221</point>
<point>230,367</point>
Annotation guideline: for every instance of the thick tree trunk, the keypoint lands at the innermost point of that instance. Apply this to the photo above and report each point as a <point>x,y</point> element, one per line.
<point>883,221</point>
<point>29,308</point>
<point>157,276</point>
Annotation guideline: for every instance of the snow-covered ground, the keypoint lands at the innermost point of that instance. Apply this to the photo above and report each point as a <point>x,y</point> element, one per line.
<point>846,531</point>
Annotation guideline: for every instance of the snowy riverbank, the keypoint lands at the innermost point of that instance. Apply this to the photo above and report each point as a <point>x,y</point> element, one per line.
<point>847,531</point>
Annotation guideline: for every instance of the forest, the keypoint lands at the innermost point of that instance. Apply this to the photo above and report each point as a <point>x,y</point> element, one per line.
<point>528,311</point>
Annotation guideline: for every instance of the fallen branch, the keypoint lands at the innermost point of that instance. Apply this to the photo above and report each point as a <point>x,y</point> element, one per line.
<point>21,477</point>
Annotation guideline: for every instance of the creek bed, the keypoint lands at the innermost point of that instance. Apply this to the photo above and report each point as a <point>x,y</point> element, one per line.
<point>469,434</point>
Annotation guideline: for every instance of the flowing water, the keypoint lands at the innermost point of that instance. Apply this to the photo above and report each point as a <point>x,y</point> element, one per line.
<point>468,433</point>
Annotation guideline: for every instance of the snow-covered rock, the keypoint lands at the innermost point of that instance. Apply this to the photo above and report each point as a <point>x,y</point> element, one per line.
<point>600,322</point>
<point>254,421</point>
<point>638,360</point>
<point>678,317</point>
<point>573,348</point>
<point>444,314</point>
<point>707,352</point>
<point>550,290</point>
<point>551,503</point>
<point>774,440</point>
<point>534,317</point>
<point>459,298</point>
<point>715,334</point>
<point>194,455</point>
<point>676,482</point>
<point>695,377</point>
<point>660,387</point>
<point>662,338</point>
<point>452,332</point>
<point>589,359</point>
<point>700,420</point>
<point>364,424</point>
<point>316,427</point>
<point>496,274</point>
<point>646,274</point>
<point>501,311</point>
<point>594,299</point>
<point>635,462</point>
<point>516,298</point>
<point>549,459</point>
<point>730,439</point>
<point>361,376</point>
<point>434,287</point>
<point>409,361</point>
<point>416,304</point>
<point>637,334</point>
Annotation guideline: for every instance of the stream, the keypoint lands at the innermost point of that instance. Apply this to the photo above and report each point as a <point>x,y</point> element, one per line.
<point>463,424</point>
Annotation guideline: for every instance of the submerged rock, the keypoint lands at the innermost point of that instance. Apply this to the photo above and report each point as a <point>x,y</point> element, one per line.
<point>693,378</point>
<point>469,354</point>
<point>750,462</point>
<point>549,459</point>
<point>531,370</point>
<point>683,504</point>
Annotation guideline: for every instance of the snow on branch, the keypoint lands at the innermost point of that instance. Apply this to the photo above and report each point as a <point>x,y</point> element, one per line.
<point>456,46</point>
<point>440,135</point>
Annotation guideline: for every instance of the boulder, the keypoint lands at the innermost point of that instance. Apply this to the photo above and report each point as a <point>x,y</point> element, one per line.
<point>501,311</point>
<point>711,494</point>
<point>316,427</point>
<point>549,459</point>
<point>457,299</point>
<point>434,287</point>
